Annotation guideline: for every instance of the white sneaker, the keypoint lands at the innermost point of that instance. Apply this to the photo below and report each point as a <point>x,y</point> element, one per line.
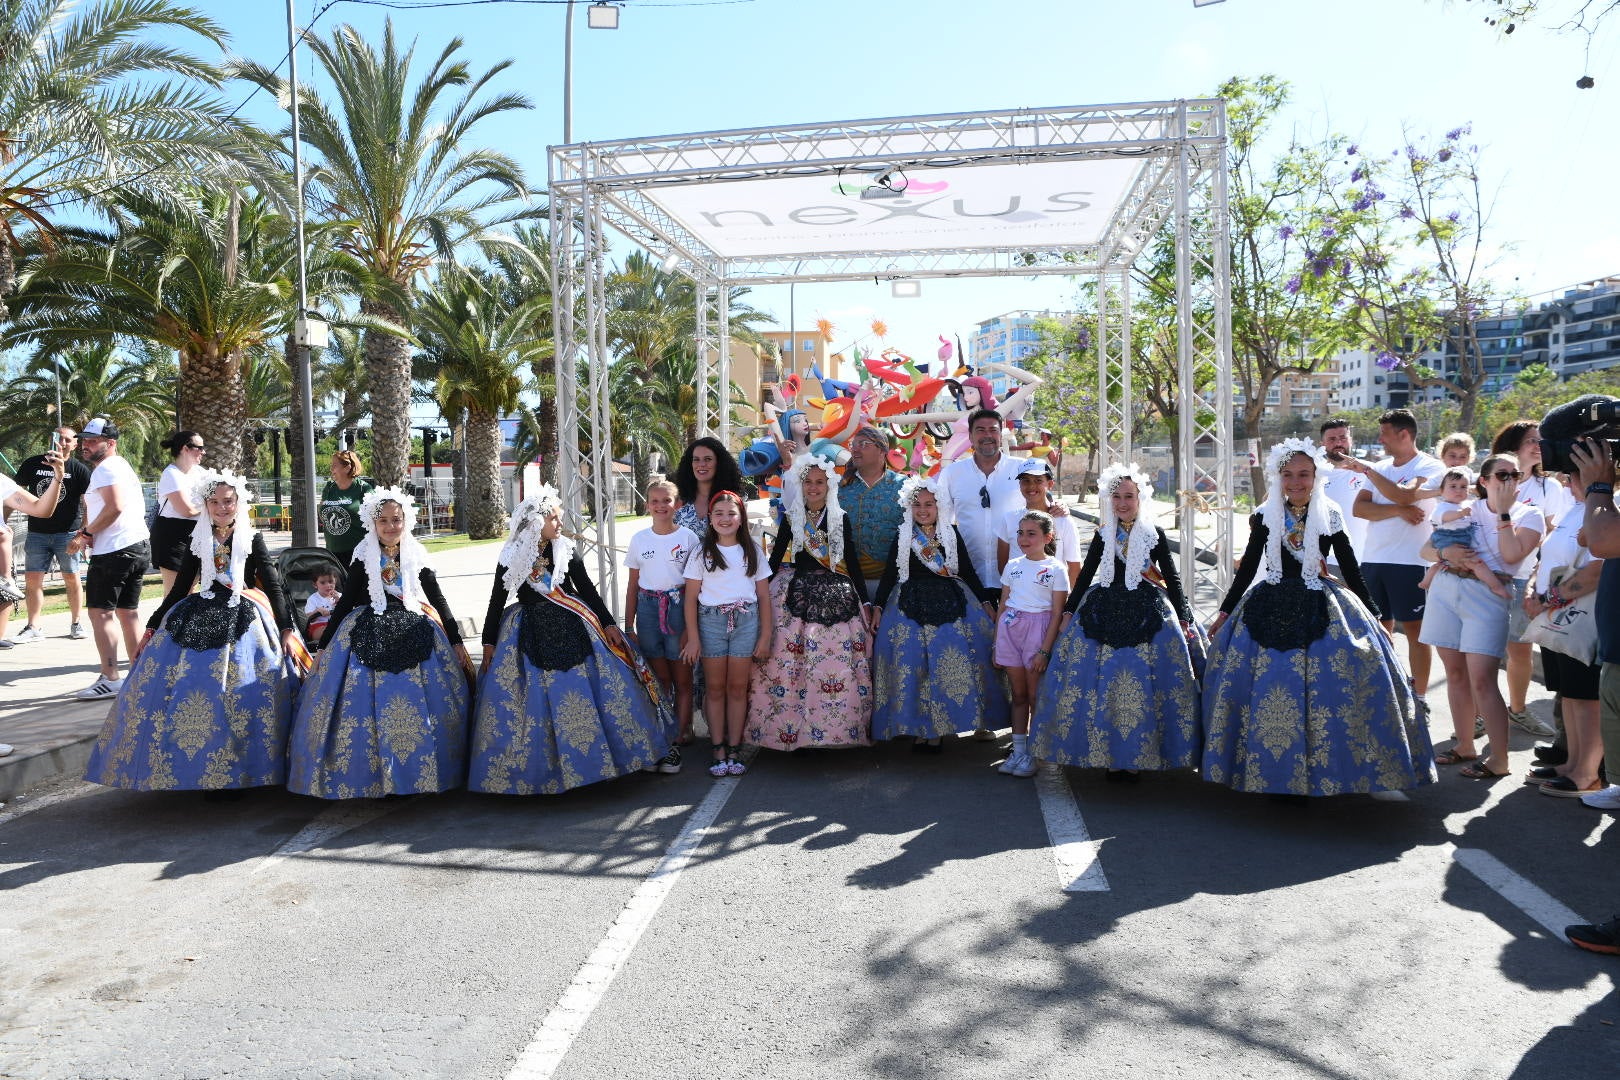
<point>1022,764</point>
<point>28,634</point>
<point>1006,767</point>
<point>77,632</point>
<point>101,688</point>
<point>1607,799</point>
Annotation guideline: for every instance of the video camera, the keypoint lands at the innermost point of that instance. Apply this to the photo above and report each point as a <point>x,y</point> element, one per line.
<point>1591,416</point>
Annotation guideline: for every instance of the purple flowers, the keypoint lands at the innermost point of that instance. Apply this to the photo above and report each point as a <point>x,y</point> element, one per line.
<point>1355,177</point>
<point>1285,232</point>
<point>1387,360</point>
<point>1454,217</point>
<point>1293,285</point>
<point>1362,203</point>
<point>1444,154</point>
<point>1353,150</point>
<point>1329,232</point>
<point>1407,212</point>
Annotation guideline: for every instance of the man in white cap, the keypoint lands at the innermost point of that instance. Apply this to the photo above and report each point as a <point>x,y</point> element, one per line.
<point>43,504</point>
<point>115,534</point>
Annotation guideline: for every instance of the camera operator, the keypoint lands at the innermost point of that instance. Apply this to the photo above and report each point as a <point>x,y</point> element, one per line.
<point>1593,459</point>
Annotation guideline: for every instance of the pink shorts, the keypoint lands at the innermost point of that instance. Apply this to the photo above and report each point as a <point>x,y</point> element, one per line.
<point>1019,636</point>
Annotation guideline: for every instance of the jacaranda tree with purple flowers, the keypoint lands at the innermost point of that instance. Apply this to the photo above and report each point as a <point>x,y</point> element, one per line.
<point>1412,266</point>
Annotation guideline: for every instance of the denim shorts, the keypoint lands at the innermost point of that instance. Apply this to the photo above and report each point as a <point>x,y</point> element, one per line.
<point>654,642</point>
<point>1464,614</point>
<point>40,548</point>
<point>728,633</point>
<point>1518,621</point>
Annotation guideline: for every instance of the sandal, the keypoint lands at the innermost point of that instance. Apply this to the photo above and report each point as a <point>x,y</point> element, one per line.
<point>1479,770</point>
<point>1451,757</point>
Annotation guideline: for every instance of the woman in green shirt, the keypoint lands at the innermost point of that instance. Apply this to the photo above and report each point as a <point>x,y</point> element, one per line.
<point>340,505</point>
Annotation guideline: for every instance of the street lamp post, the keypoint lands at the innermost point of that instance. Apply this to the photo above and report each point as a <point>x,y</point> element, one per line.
<point>598,16</point>
<point>303,379</point>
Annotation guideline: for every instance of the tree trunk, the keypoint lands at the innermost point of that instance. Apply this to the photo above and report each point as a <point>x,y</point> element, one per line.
<point>8,273</point>
<point>215,405</point>
<point>641,475</point>
<point>388,380</point>
<point>486,495</point>
<point>545,415</point>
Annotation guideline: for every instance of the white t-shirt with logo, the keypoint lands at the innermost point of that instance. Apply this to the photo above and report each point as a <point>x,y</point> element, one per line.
<point>732,584</point>
<point>8,488</point>
<point>1030,582</point>
<point>660,560</point>
<point>1393,540</point>
<point>1546,494</point>
<point>1063,531</point>
<point>1342,486</point>
<point>130,525</point>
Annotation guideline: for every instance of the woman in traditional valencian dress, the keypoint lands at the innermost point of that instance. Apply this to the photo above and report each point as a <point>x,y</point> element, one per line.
<point>931,656</point>
<point>385,710</point>
<point>816,689</point>
<point>1121,693</point>
<point>1304,694</point>
<point>210,692</point>
<point>563,701</point>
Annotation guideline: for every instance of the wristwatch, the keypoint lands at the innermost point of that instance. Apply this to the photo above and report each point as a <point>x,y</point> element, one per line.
<point>87,534</point>
<point>1505,517</point>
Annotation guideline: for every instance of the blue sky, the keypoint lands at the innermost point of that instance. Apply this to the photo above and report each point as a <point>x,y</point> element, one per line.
<point>1367,68</point>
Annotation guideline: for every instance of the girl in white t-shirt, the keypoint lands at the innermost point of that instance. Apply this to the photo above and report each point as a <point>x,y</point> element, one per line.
<point>1033,588</point>
<point>727,597</point>
<point>655,602</point>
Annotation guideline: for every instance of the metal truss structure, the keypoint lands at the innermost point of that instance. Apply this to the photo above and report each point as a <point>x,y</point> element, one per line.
<point>1152,161</point>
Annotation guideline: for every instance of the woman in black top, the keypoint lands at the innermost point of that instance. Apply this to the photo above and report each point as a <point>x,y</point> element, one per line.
<point>563,701</point>
<point>931,655</point>
<point>1121,692</point>
<point>210,691</point>
<point>1304,694</point>
<point>385,710</point>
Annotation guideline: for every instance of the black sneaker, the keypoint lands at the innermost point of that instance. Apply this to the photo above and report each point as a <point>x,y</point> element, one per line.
<point>1602,938</point>
<point>671,762</point>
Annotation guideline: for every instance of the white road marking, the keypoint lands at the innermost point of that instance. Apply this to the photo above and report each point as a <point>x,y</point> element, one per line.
<point>332,822</point>
<point>1079,869</point>
<point>20,806</point>
<point>556,1034</point>
<point>1598,830</point>
<point>1517,890</point>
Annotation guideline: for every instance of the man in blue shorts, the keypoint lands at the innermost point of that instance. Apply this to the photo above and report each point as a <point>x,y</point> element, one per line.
<point>48,537</point>
<point>1397,529</point>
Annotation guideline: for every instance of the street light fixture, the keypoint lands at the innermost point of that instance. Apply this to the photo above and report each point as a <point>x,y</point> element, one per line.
<point>597,17</point>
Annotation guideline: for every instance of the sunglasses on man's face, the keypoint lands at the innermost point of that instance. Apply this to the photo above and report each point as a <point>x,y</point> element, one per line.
<point>1504,476</point>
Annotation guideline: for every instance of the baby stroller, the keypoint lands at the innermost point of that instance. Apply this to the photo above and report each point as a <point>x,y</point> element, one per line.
<point>299,568</point>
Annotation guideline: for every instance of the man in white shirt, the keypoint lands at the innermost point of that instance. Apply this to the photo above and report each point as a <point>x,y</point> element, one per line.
<point>983,488</point>
<point>1343,484</point>
<point>115,534</point>
<point>1398,527</point>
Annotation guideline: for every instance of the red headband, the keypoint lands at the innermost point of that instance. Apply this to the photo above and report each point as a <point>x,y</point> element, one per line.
<point>717,496</point>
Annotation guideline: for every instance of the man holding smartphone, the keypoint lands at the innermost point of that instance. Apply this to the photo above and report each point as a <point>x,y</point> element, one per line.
<point>49,535</point>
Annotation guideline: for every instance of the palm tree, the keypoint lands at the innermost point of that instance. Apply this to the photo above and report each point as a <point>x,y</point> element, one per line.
<point>91,107</point>
<point>135,389</point>
<point>396,167</point>
<point>652,313</point>
<point>522,267</point>
<point>213,282</point>
<point>480,350</point>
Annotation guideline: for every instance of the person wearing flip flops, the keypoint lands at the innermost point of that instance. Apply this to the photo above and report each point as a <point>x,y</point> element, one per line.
<point>1468,624</point>
<point>728,624</point>
<point>1575,680</point>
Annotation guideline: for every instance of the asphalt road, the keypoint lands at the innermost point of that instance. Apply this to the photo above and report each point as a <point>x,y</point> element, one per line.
<point>852,913</point>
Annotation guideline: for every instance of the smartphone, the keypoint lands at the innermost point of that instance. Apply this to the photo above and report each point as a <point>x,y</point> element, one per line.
<point>56,441</point>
